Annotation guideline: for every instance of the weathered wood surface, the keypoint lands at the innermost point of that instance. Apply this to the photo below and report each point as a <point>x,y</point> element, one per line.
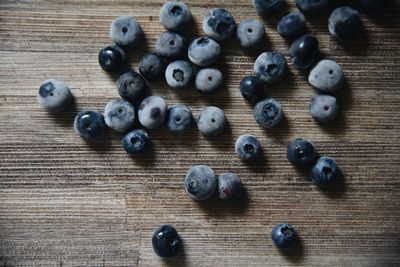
<point>67,203</point>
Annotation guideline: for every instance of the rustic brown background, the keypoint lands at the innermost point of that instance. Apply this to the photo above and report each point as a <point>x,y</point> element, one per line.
<point>64,202</point>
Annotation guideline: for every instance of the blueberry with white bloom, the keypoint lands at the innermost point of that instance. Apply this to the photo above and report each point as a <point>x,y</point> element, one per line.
<point>175,16</point>
<point>131,86</point>
<point>152,112</point>
<point>170,44</point>
<point>211,121</point>
<point>312,7</point>
<point>90,124</point>
<point>247,147</point>
<point>151,66</point>
<point>125,31</point>
<point>136,141</point>
<point>250,34</point>
<point>208,80</point>
<point>54,95</point>
<point>304,51</point>
<point>204,51</point>
<point>200,182</point>
<point>344,23</point>
<point>219,24</point>
<point>179,74</point>
<point>119,115</point>
<point>327,76</point>
<point>292,25</point>
<point>229,186</point>
<point>268,112</point>
<point>179,118</point>
<point>325,171</point>
<point>323,108</point>
<point>270,67</point>
<point>266,7</point>
<point>112,58</point>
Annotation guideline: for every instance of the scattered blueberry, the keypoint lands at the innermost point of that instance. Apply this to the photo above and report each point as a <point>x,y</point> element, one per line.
<point>166,241</point>
<point>247,147</point>
<point>151,66</point>
<point>270,67</point>
<point>312,7</point>
<point>284,236</point>
<point>204,51</point>
<point>301,152</point>
<point>251,88</point>
<point>126,31</point>
<point>170,44</point>
<point>179,74</point>
<point>229,186</point>
<point>131,86</point>
<point>250,34</point>
<point>266,7</point>
<point>268,112</point>
<point>292,26</point>
<point>200,182</point>
<point>119,115</point>
<point>54,95</point>
<point>152,112</point>
<point>175,16</point>
<point>90,124</point>
<point>327,76</point>
<point>325,171</point>
<point>219,24</point>
<point>179,118</point>
<point>112,58</point>
<point>304,51</point>
<point>323,108</point>
<point>375,6</point>
<point>136,141</point>
<point>344,23</point>
<point>211,121</point>
<point>208,80</point>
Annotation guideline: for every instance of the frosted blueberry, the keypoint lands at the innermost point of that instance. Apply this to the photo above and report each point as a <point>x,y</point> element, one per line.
<point>292,25</point>
<point>90,124</point>
<point>151,66</point>
<point>208,80</point>
<point>284,236</point>
<point>175,16</point>
<point>327,76</point>
<point>126,31</point>
<point>229,186</point>
<point>54,95</point>
<point>179,74</point>
<point>170,45</point>
<point>247,147</point>
<point>323,108</point>
<point>219,24</point>
<point>179,118</point>
<point>325,171</point>
<point>131,86</point>
<point>270,67</point>
<point>250,33</point>
<point>268,112</point>
<point>211,121</point>
<point>119,115</point>
<point>200,182</point>
<point>204,51</point>
<point>152,112</point>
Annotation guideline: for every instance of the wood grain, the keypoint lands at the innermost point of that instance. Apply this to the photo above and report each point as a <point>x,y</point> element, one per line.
<point>65,202</point>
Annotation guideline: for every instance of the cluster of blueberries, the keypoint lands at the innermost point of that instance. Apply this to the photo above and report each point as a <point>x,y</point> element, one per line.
<point>200,182</point>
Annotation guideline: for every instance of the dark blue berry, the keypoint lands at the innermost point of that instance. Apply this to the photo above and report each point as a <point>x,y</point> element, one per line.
<point>304,51</point>
<point>112,58</point>
<point>292,25</point>
<point>301,152</point>
<point>325,171</point>
<point>229,186</point>
<point>151,66</point>
<point>135,142</point>
<point>166,241</point>
<point>344,23</point>
<point>179,118</point>
<point>131,86</point>
<point>90,124</point>
<point>312,7</point>
<point>247,147</point>
<point>375,6</point>
<point>268,112</point>
<point>266,7</point>
<point>251,88</point>
<point>284,236</point>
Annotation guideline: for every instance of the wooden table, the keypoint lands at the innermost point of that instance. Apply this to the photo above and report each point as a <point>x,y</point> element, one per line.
<point>64,202</point>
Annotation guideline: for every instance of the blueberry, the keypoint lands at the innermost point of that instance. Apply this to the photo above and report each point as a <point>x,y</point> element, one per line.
<point>166,241</point>
<point>247,147</point>
<point>312,7</point>
<point>211,121</point>
<point>292,26</point>
<point>250,34</point>
<point>284,236</point>
<point>268,112</point>
<point>229,186</point>
<point>152,112</point>
<point>179,118</point>
<point>175,16</point>
<point>119,115</point>
<point>204,51</point>
<point>301,152</point>
<point>131,86</point>
<point>208,80</point>
<point>126,31</point>
<point>327,76</point>
<point>304,51</point>
<point>375,6</point>
<point>325,171</point>
<point>251,88</point>
<point>323,108</point>
<point>200,182</point>
<point>90,124</point>
<point>112,58</point>
<point>54,95</point>
<point>266,7</point>
<point>151,66</point>
<point>219,24</point>
<point>179,74</point>
<point>170,45</point>
<point>344,23</point>
<point>270,67</point>
<point>136,141</point>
